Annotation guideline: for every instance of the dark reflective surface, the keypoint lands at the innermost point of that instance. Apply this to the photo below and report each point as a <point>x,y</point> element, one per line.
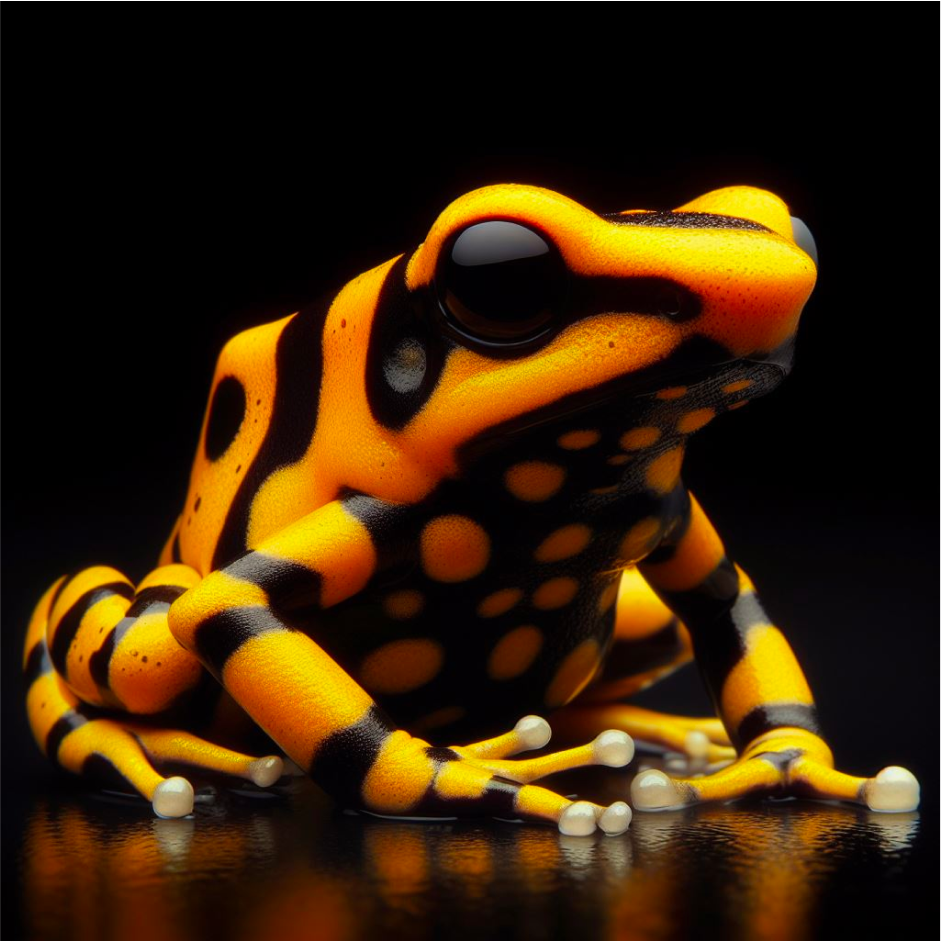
<point>97,867</point>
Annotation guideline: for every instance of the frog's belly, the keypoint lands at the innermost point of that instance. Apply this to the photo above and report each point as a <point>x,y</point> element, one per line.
<point>461,661</point>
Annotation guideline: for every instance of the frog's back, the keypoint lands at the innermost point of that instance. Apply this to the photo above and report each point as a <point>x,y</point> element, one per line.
<point>288,428</point>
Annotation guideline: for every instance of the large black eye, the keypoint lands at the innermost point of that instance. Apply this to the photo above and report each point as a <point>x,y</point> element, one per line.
<point>501,281</point>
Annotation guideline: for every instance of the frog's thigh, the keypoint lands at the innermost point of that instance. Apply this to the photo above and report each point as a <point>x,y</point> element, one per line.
<point>238,622</point>
<point>78,735</point>
<point>649,644</point>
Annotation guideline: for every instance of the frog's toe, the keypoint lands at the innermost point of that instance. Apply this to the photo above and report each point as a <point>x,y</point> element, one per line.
<point>582,818</point>
<point>892,790</point>
<point>181,747</point>
<point>265,771</point>
<point>701,739</point>
<point>578,819</point>
<point>612,748</point>
<point>654,790</point>
<point>616,818</point>
<point>135,751</point>
<point>531,732</point>
<point>574,818</point>
<point>173,798</point>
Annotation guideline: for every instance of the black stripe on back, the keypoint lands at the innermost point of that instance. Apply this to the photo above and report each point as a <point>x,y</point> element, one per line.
<point>299,367</point>
<point>69,624</point>
<point>684,220</point>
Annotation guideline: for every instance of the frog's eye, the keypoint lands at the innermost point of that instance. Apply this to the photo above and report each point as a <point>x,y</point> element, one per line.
<point>501,281</point>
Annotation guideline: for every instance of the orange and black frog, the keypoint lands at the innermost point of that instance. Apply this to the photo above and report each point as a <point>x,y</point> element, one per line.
<point>453,497</point>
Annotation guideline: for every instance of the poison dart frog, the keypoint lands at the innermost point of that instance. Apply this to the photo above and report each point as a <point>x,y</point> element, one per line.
<point>451,497</point>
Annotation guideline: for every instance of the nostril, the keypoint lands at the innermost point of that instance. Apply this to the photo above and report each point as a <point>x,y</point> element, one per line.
<point>803,238</point>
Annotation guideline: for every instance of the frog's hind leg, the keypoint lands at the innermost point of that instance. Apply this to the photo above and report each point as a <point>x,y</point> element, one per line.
<point>84,737</point>
<point>649,644</point>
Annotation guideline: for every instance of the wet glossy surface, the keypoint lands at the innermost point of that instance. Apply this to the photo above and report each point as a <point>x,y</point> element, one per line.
<point>99,868</point>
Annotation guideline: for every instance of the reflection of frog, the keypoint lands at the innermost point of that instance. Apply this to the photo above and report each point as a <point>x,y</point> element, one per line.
<point>443,502</point>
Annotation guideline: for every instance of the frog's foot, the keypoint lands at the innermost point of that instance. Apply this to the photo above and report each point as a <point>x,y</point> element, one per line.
<point>485,763</point>
<point>412,778</point>
<point>702,739</point>
<point>782,763</point>
<point>133,749</point>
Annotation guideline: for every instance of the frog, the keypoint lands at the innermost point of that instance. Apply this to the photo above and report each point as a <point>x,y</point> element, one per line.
<point>452,495</point>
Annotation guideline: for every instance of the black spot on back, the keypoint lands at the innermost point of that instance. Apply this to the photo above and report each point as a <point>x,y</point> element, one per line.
<point>685,220</point>
<point>225,417</point>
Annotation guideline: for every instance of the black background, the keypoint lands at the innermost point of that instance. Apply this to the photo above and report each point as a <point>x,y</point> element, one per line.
<point>169,185</point>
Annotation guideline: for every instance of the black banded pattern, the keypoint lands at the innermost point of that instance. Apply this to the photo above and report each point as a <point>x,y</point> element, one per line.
<point>406,354</point>
<point>219,636</point>
<point>37,662</point>
<point>66,723</point>
<point>684,220</point>
<point>765,718</point>
<point>343,760</point>
<point>69,623</point>
<point>288,584</point>
<point>299,367</point>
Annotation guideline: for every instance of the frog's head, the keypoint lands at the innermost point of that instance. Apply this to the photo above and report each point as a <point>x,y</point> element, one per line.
<point>532,305</point>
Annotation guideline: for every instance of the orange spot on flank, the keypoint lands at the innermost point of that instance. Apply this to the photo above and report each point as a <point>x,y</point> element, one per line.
<point>693,421</point>
<point>499,602</point>
<point>664,471</point>
<point>454,548</point>
<point>401,666</point>
<point>563,543</point>
<point>534,481</point>
<point>577,440</point>
<point>676,392</point>
<point>638,438</point>
<point>514,653</point>
<point>555,593</point>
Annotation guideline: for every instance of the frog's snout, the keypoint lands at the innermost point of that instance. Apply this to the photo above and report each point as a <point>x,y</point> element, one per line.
<point>803,238</point>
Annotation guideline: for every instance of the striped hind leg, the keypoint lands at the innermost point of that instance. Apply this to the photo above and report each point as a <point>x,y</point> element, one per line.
<point>649,644</point>
<point>84,635</point>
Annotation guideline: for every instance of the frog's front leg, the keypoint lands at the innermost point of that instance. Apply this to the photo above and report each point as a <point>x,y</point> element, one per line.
<point>757,686</point>
<point>238,622</point>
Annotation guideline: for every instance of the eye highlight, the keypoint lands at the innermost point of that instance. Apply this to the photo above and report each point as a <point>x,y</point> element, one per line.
<point>500,281</point>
